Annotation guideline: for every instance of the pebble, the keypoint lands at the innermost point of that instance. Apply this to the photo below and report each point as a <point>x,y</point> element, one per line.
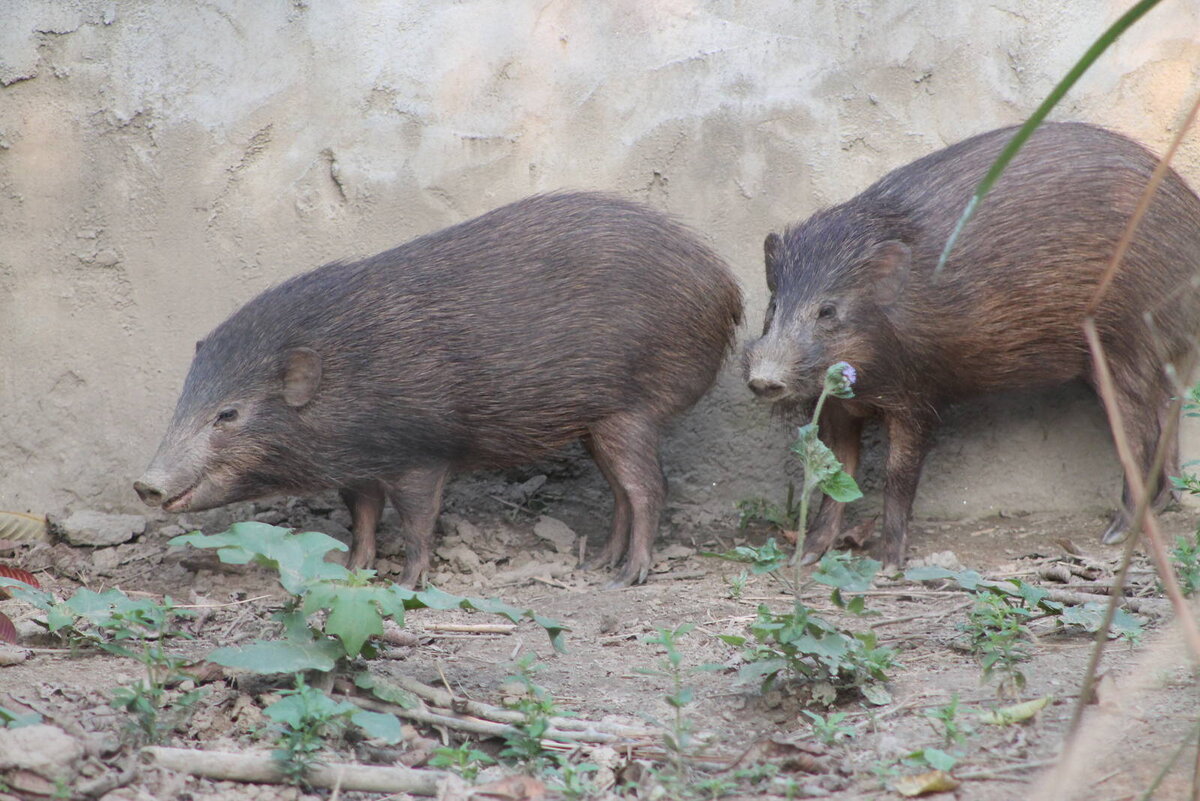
<point>99,529</point>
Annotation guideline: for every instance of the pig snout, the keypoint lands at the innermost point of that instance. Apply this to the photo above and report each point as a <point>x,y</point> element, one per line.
<point>767,372</point>
<point>767,387</point>
<point>150,494</point>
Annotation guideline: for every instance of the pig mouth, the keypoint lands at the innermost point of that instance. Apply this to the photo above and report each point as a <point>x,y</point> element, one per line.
<point>180,502</point>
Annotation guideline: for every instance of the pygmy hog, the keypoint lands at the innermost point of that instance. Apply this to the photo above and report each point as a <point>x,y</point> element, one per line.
<point>855,283</point>
<point>488,344</point>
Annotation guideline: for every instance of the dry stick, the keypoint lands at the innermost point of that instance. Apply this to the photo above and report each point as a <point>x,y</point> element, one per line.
<point>444,699</point>
<point>260,768</point>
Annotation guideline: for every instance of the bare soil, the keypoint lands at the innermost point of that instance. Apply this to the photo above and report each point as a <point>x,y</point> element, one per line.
<point>1147,702</point>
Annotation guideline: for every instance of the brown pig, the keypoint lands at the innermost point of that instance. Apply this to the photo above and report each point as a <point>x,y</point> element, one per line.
<point>856,283</point>
<point>491,343</point>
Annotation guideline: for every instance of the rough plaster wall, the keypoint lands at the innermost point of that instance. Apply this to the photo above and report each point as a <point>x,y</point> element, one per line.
<point>162,162</point>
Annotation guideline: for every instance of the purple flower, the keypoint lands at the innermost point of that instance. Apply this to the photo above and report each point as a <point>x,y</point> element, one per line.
<point>839,379</point>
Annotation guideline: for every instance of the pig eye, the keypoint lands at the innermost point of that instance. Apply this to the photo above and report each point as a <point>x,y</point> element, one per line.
<point>227,416</point>
<point>827,311</point>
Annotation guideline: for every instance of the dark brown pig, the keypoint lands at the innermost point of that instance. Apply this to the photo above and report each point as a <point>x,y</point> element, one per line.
<point>855,283</point>
<point>488,344</point>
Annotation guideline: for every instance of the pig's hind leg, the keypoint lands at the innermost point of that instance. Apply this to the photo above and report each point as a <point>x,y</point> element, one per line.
<point>625,446</point>
<point>417,497</point>
<point>1143,403</point>
<point>618,538</point>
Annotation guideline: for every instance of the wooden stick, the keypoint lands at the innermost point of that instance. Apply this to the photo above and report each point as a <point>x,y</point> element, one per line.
<point>472,628</point>
<point>260,768</point>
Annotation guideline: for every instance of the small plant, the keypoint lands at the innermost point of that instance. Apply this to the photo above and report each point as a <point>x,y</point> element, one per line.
<point>830,729</point>
<point>135,628</point>
<point>760,510</point>
<point>1185,556</point>
<point>465,760</point>
<point>737,585</point>
<point>803,646</point>
<point>998,633</point>
<point>677,732</point>
<point>304,718</point>
<point>355,607</point>
<point>946,722</point>
<point>537,706</point>
<point>822,470</point>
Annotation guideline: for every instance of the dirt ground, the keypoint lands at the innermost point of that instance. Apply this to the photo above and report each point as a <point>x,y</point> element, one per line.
<point>1147,701</point>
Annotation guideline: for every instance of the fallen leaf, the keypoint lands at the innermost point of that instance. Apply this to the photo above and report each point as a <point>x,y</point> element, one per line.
<point>1017,713</point>
<point>8,632</point>
<point>934,781</point>
<point>23,527</point>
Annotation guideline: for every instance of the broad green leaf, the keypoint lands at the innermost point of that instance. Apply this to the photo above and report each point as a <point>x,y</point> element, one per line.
<point>353,615</point>
<point>378,725</point>
<point>939,759</point>
<point>846,572</point>
<point>298,557</point>
<point>280,656</point>
<point>306,704</point>
<point>842,487</point>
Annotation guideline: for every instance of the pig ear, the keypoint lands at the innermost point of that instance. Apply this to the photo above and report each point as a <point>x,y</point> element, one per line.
<point>772,249</point>
<point>301,376</point>
<point>891,260</point>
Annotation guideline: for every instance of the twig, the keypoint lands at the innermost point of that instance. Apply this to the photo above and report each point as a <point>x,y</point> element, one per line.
<point>488,728</point>
<point>260,768</point>
<point>991,774</point>
<point>445,700</point>
<point>472,628</point>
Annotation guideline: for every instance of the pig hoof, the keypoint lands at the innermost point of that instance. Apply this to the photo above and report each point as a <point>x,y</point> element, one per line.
<point>1117,530</point>
<point>628,577</point>
<point>809,558</point>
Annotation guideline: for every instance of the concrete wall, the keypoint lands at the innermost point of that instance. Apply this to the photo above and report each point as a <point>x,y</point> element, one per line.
<point>161,162</point>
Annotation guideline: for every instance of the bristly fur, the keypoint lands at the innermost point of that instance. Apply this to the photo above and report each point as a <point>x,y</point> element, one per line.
<point>1007,311</point>
<point>490,343</point>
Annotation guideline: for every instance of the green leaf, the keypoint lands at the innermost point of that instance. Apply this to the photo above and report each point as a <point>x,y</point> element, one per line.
<point>846,572</point>
<point>299,558</point>
<point>387,691</point>
<point>280,656</point>
<point>939,759</point>
<point>306,704</point>
<point>353,614</point>
<point>842,487</point>
<point>378,725</point>
<point>1056,94</point>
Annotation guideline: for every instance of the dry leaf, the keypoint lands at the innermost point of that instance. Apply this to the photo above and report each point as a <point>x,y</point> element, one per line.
<point>935,781</point>
<point>23,528</point>
<point>8,632</point>
<point>1017,713</point>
